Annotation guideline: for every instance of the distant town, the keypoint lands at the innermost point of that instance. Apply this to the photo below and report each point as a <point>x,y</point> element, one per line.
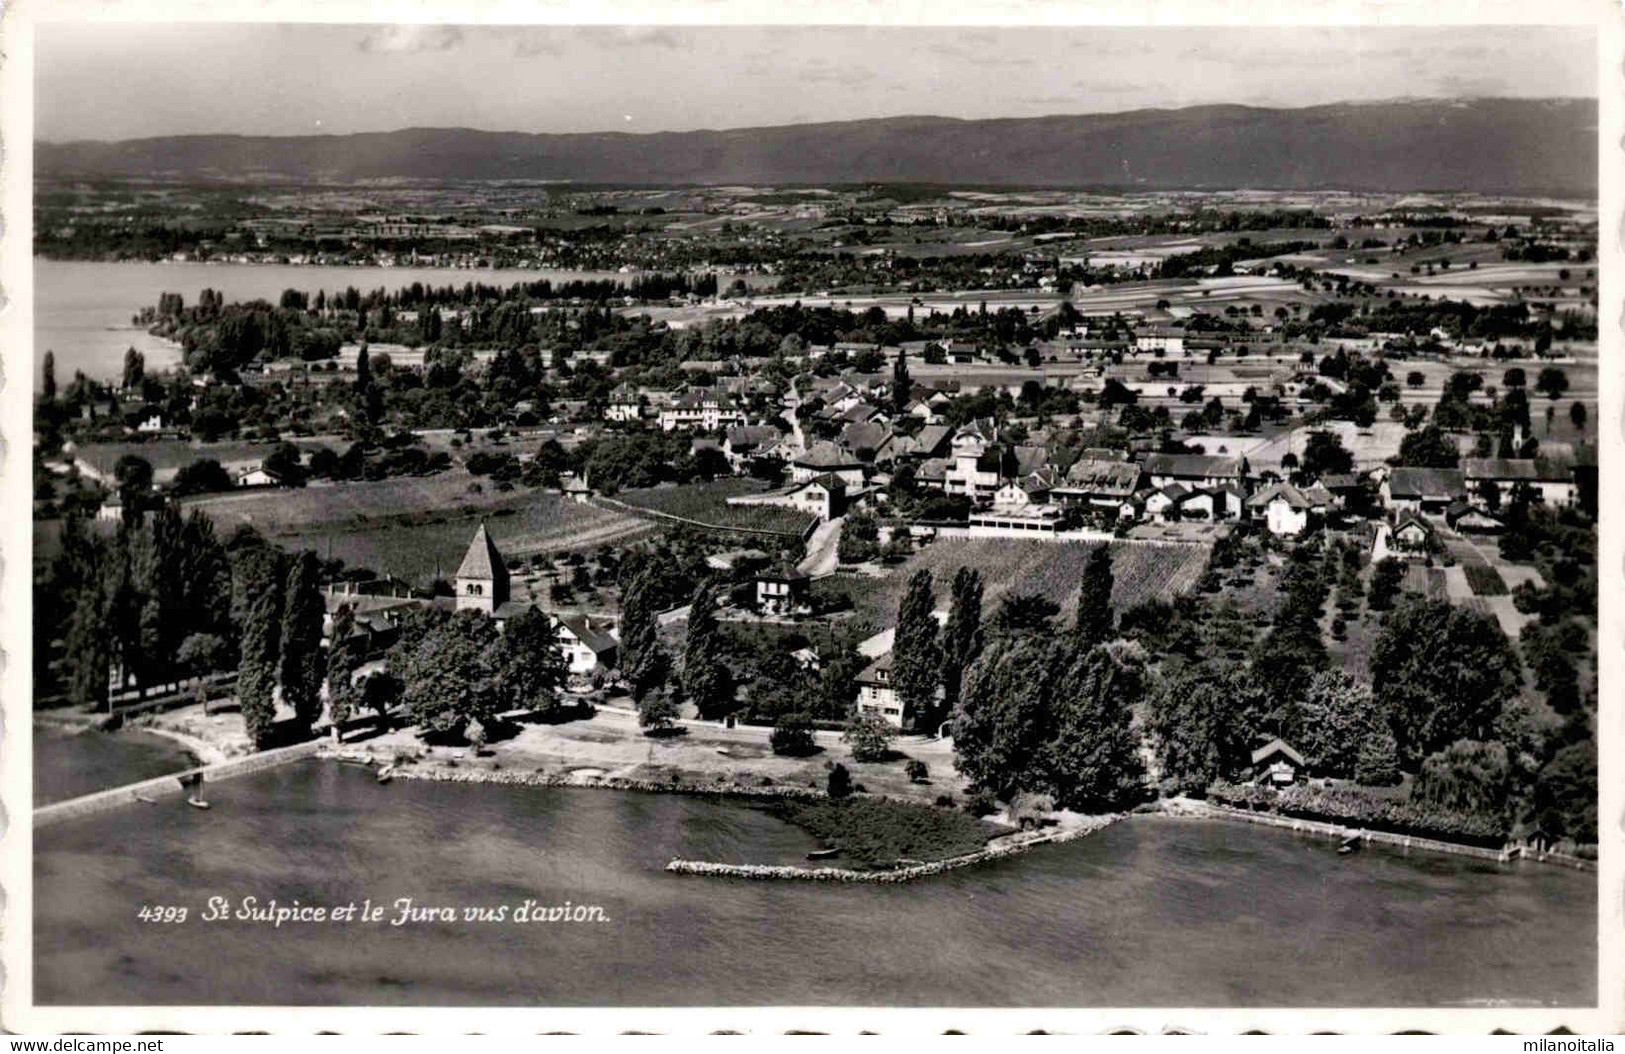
<point>1016,504</point>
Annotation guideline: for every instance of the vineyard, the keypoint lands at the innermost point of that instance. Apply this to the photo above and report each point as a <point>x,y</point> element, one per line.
<point>1140,572</point>
<point>707,503</point>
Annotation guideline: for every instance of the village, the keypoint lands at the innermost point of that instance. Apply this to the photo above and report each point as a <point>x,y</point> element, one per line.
<point>812,482</point>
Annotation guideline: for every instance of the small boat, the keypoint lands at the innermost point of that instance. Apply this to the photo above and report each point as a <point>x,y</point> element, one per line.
<point>192,782</point>
<point>725,752</point>
<point>146,800</point>
<point>386,773</point>
<point>823,854</point>
<point>1350,844</point>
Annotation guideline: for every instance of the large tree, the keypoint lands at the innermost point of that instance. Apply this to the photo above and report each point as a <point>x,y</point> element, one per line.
<point>533,665</point>
<point>962,636</point>
<point>133,477</point>
<point>451,675</point>
<point>87,650</point>
<point>1038,714</point>
<point>301,664</point>
<point>1092,761</point>
<point>1338,714</point>
<point>48,377</point>
<point>1443,673</point>
<point>1429,447</point>
<point>901,386</point>
<point>1324,454</point>
<point>706,677</point>
<point>644,663</point>
<point>1204,723</point>
<point>343,659</point>
<point>1095,623</point>
<point>259,573</point>
<point>915,654</point>
<point>1566,793</point>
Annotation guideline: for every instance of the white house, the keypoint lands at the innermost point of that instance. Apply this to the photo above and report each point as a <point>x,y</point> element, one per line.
<point>707,408</point>
<point>826,458</point>
<point>1284,508</point>
<point>877,694</point>
<point>587,648</point>
<point>1160,338</point>
<point>624,404</point>
<point>1552,479</point>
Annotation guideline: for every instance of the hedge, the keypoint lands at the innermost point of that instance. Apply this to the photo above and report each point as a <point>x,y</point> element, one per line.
<point>1351,806</point>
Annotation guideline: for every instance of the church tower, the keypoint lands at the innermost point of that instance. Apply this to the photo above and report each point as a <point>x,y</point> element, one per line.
<point>482,578</point>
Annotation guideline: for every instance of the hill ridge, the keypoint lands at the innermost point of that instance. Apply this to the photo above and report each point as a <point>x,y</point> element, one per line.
<point>1486,144</point>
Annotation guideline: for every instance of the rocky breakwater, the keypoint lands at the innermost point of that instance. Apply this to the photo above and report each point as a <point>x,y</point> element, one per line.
<point>1000,848</point>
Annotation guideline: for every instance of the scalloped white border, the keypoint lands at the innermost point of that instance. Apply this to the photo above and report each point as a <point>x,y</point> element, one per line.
<point>17,1014</point>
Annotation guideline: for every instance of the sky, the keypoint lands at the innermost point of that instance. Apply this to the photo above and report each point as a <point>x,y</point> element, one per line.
<point>122,81</point>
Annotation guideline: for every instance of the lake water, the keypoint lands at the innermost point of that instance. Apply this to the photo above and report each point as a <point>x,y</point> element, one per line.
<point>82,309</point>
<point>1153,911</point>
<point>70,763</point>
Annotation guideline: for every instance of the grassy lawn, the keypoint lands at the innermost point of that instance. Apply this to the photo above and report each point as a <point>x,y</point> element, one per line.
<point>176,453</point>
<point>871,832</point>
<point>416,528</point>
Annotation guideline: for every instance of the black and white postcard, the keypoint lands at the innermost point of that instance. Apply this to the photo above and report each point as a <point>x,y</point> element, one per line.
<point>1012,522</point>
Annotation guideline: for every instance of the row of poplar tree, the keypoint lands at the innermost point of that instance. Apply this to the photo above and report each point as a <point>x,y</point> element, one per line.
<point>164,599</point>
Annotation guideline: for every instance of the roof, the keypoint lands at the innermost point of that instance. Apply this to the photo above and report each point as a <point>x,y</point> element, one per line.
<point>933,436</point>
<point>752,435</point>
<point>871,673</point>
<point>933,468</point>
<point>599,642</point>
<point>857,437</point>
<point>1412,521</point>
<point>482,559</point>
<point>1347,481</point>
<point>1192,465</point>
<point>827,455</point>
<point>829,481</point>
<point>1277,746</point>
<point>860,412</point>
<point>1286,492</point>
<point>1534,469</point>
<point>782,574</point>
<point>1174,491</point>
<point>1407,482</point>
<point>1030,459</point>
<point>1317,495</point>
<point>1108,476</point>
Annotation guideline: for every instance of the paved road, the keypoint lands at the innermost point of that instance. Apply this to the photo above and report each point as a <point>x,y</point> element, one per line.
<point>822,549</point>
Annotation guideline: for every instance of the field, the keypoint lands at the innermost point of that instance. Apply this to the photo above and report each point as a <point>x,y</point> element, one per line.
<point>708,503</point>
<point>1054,569</point>
<point>1485,580</point>
<point>417,528</point>
<point>164,454</point>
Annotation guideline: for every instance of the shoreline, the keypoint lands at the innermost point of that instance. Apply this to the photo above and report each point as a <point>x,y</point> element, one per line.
<point>205,752</point>
<point>1192,808</point>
